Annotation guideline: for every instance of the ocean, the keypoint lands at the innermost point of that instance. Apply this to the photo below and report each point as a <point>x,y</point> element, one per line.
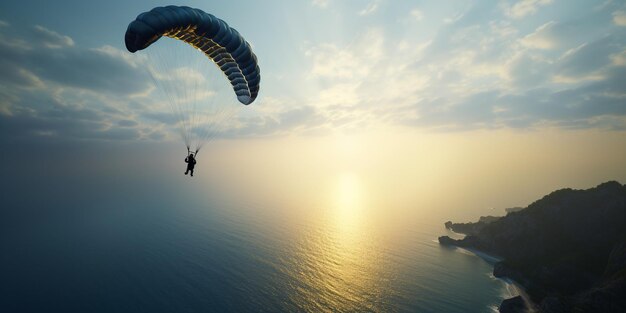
<point>146,245</point>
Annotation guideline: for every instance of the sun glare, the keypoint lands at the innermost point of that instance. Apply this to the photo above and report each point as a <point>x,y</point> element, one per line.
<point>348,199</point>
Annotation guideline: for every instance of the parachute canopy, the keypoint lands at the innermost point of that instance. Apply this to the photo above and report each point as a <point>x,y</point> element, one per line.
<point>205,32</point>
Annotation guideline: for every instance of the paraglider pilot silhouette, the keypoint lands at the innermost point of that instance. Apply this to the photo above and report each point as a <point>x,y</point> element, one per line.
<point>191,162</point>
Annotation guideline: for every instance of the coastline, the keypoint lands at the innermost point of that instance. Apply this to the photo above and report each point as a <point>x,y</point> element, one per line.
<point>517,289</point>
<point>488,257</point>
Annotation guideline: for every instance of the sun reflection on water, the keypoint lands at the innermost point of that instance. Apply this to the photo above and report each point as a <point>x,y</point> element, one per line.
<point>348,206</point>
<point>336,262</point>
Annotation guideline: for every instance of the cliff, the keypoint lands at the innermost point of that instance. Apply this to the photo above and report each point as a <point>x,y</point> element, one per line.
<point>471,228</point>
<point>567,249</point>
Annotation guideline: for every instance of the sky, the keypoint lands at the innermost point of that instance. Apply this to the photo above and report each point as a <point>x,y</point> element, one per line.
<point>497,102</point>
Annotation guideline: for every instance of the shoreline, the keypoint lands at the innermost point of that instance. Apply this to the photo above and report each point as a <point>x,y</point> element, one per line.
<point>519,290</point>
<point>566,249</point>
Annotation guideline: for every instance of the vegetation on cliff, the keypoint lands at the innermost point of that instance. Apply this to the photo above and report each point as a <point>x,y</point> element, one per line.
<point>568,248</point>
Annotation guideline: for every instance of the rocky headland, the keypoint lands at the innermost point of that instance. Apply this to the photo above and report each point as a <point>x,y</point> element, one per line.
<point>567,250</point>
<point>471,228</point>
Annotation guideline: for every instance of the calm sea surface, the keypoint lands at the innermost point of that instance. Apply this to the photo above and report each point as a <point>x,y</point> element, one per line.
<point>148,247</point>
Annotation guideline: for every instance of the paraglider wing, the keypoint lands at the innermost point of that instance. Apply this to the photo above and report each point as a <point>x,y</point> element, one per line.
<point>205,32</point>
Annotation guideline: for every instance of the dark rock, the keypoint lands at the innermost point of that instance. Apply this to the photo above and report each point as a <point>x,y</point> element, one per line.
<point>617,260</point>
<point>447,241</point>
<point>488,219</point>
<point>471,228</point>
<point>515,209</point>
<point>551,305</point>
<point>501,270</point>
<point>513,305</point>
<point>608,297</point>
<point>568,245</point>
<point>466,228</point>
<point>467,242</point>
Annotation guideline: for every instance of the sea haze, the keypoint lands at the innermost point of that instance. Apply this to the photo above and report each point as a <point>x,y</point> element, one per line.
<point>162,242</point>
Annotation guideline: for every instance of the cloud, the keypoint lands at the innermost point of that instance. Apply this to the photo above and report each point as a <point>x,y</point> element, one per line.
<point>416,14</point>
<point>64,124</point>
<point>524,8</point>
<point>598,105</point>
<point>479,71</point>
<point>54,59</point>
<point>51,39</point>
<point>285,122</point>
<point>320,3</point>
<point>619,18</point>
<point>15,76</point>
<point>588,59</point>
<point>369,9</point>
<point>127,123</point>
<point>363,83</point>
<point>557,35</point>
<point>54,89</point>
<point>545,37</point>
<point>482,69</point>
<point>526,70</point>
<point>619,58</point>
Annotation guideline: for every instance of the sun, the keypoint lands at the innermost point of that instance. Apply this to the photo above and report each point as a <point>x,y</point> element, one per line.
<point>348,198</point>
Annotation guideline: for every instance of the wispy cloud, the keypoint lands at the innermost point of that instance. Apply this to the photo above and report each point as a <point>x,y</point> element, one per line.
<point>524,7</point>
<point>476,72</point>
<point>50,38</point>
<point>370,8</point>
<point>619,18</point>
<point>53,88</point>
<point>416,14</point>
<point>543,37</point>
<point>484,68</point>
<point>320,3</point>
